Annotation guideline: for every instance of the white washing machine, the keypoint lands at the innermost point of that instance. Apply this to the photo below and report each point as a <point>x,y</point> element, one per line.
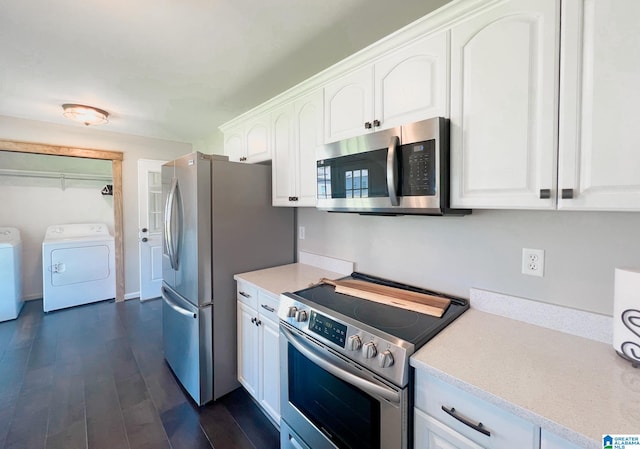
<point>78,265</point>
<point>10,274</point>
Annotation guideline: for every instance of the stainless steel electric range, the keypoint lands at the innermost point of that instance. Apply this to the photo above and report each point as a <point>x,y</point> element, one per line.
<point>345,377</point>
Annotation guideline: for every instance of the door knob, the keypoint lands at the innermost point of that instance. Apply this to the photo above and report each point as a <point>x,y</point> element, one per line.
<point>145,230</point>
<point>144,239</point>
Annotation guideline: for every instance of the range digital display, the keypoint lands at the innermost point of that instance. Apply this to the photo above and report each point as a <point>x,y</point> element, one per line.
<point>328,328</point>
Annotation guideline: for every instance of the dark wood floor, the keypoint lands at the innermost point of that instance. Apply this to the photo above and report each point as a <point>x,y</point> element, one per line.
<point>94,377</point>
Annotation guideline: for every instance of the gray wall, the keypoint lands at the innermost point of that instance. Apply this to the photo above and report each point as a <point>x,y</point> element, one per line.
<point>484,250</point>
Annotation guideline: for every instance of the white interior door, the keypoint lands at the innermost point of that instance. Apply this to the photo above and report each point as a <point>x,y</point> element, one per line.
<point>149,227</point>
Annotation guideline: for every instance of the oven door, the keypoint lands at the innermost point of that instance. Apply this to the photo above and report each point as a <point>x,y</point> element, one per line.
<point>329,402</point>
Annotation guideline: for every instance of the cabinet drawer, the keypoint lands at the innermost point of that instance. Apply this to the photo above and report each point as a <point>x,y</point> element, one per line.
<point>268,306</point>
<point>247,294</point>
<point>506,430</point>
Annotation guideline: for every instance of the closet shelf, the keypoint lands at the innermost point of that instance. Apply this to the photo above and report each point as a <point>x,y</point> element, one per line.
<point>55,175</point>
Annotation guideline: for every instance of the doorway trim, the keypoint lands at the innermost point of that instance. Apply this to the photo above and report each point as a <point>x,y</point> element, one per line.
<point>116,158</point>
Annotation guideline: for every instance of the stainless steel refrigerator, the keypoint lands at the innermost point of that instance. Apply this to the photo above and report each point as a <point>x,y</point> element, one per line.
<point>218,221</point>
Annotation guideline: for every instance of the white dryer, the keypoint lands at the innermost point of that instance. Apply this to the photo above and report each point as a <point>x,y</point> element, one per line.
<point>78,265</point>
<point>10,274</point>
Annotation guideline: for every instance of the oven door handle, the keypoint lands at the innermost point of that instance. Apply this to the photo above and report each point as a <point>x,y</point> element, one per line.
<point>365,385</point>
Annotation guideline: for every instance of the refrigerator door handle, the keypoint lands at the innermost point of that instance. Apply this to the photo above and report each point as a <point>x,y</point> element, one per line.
<point>168,220</point>
<point>176,307</point>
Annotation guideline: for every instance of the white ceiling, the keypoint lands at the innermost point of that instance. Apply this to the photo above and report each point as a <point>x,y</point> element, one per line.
<point>177,69</point>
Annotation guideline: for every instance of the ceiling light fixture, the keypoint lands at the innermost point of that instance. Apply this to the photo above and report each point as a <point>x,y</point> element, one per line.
<point>85,114</point>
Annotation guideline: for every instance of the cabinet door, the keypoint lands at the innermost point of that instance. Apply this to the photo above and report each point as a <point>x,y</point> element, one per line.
<point>258,144</point>
<point>432,434</point>
<point>283,163</point>
<point>308,135</point>
<point>234,145</point>
<point>504,65</point>
<point>270,364</point>
<point>551,441</point>
<point>348,105</point>
<point>412,83</point>
<point>599,98</point>
<point>248,346</point>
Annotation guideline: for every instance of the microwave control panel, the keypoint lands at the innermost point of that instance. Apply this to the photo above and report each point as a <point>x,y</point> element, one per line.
<point>419,168</point>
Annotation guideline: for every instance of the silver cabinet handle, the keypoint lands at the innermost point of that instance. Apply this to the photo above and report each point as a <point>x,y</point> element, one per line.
<point>392,170</point>
<point>246,295</point>
<point>545,194</point>
<point>477,427</point>
<point>266,307</point>
<point>364,384</point>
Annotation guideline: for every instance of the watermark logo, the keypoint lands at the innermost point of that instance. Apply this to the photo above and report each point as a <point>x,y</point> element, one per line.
<point>620,441</point>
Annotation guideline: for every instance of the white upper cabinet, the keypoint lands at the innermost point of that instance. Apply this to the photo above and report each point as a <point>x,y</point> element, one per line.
<point>297,134</point>
<point>504,66</point>
<point>258,144</point>
<point>406,85</point>
<point>250,141</point>
<point>308,138</point>
<point>348,105</point>
<point>599,164</point>
<point>283,165</point>
<point>234,144</point>
<point>412,83</point>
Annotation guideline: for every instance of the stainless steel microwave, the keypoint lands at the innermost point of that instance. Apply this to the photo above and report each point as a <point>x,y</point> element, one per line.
<point>398,171</point>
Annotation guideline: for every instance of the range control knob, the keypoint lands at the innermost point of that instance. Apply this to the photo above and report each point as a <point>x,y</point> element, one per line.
<point>385,359</point>
<point>354,343</point>
<point>301,315</point>
<point>369,350</point>
<point>292,311</point>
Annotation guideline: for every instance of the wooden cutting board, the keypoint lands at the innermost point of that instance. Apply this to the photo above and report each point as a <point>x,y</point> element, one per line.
<point>397,297</point>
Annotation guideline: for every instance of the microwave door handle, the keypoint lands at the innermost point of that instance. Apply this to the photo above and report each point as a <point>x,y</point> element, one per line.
<point>392,170</point>
<point>365,385</point>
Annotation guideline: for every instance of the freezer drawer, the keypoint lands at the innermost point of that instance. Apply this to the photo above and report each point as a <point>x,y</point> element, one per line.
<point>186,331</point>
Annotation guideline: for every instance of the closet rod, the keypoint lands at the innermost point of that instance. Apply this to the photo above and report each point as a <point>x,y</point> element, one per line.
<point>54,175</point>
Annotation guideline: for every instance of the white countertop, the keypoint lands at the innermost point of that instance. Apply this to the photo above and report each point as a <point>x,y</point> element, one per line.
<point>286,278</point>
<point>574,387</point>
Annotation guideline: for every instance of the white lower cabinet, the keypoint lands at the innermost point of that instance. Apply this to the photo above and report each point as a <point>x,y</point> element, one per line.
<point>449,418</point>
<point>258,347</point>
<point>549,440</point>
<point>269,393</point>
<point>247,349</point>
<point>432,434</point>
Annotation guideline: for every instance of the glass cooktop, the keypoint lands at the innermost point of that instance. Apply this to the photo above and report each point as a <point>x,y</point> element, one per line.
<point>413,327</point>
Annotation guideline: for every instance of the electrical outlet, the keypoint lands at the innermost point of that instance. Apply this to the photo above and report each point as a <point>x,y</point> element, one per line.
<point>301,232</point>
<point>533,262</point>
